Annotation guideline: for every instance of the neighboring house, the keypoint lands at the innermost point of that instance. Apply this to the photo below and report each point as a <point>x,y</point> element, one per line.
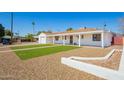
<point>36,38</point>
<point>83,36</point>
<point>6,39</point>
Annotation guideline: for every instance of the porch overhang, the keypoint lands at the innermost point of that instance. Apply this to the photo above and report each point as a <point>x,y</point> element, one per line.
<point>79,34</point>
<point>76,33</point>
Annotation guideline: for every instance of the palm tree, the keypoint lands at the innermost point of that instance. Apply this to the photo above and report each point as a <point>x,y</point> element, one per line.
<point>33,23</point>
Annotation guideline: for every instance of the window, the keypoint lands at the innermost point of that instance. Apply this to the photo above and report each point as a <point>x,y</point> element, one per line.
<point>96,37</point>
<point>65,37</point>
<point>77,36</point>
<point>56,38</point>
<point>82,36</point>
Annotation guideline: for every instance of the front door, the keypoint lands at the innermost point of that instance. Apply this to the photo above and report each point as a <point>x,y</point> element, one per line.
<point>71,39</point>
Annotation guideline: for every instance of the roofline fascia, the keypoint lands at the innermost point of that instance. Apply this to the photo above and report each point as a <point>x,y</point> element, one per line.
<point>77,33</point>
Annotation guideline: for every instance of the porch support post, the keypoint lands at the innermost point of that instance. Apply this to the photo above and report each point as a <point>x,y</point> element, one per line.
<point>39,41</point>
<point>79,40</point>
<point>63,40</point>
<point>53,39</point>
<point>102,39</point>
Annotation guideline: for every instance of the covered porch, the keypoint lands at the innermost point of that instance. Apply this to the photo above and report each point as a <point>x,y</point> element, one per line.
<point>80,39</point>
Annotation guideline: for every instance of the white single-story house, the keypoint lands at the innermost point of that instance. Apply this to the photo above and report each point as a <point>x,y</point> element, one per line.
<point>82,36</point>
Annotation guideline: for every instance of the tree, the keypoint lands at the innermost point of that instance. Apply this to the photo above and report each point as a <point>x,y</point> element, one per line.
<point>49,31</point>
<point>2,30</point>
<point>39,32</point>
<point>69,29</point>
<point>122,25</point>
<point>8,32</point>
<point>17,34</point>
<point>30,37</point>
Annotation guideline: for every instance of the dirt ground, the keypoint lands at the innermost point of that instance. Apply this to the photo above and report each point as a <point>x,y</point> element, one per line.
<point>111,63</point>
<point>47,67</point>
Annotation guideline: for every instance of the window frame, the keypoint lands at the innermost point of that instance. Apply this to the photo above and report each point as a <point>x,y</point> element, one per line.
<point>96,37</point>
<point>65,37</point>
<point>56,38</point>
<point>82,36</point>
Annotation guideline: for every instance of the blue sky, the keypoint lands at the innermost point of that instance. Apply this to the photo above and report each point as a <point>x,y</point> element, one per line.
<point>60,21</point>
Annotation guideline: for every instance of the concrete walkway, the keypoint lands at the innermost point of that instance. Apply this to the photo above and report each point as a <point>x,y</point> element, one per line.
<point>23,44</point>
<point>97,70</point>
<point>93,69</point>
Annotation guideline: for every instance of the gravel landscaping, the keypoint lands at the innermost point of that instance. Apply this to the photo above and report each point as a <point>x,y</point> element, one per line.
<point>112,63</point>
<point>46,67</point>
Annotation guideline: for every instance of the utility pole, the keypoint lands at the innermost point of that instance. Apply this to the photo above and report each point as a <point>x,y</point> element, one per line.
<point>11,26</point>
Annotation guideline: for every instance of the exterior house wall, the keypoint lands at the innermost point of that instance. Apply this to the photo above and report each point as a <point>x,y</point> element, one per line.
<point>108,38</point>
<point>75,40</point>
<point>59,41</point>
<point>49,40</point>
<point>42,38</point>
<point>67,41</point>
<point>86,40</point>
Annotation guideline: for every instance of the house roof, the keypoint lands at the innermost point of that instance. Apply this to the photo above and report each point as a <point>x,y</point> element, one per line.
<point>72,31</point>
<point>35,36</point>
<point>6,37</point>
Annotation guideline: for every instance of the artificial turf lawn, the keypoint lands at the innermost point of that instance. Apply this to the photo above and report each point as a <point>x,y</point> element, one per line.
<point>27,54</point>
<point>31,46</point>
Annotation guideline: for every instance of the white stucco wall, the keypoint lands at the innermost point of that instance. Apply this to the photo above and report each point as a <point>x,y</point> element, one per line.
<point>107,38</point>
<point>49,40</point>
<point>67,41</point>
<point>42,38</point>
<point>60,41</point>
<point>86,40</point>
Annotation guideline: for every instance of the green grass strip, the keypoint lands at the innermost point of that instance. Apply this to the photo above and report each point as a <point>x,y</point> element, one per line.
<point>31,46</point>
<point>27,54</point>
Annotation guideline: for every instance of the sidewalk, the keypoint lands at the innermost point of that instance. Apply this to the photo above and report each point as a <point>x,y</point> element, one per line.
<point>27,48</point>
<point>22,44</point>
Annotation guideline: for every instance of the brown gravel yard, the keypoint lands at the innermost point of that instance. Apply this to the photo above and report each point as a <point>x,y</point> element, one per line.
<point>46,67</point>
<point>112,63</point>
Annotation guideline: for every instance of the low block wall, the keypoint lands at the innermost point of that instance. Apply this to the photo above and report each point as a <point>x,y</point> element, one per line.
<point>93,69</point>
<point>118,40</point>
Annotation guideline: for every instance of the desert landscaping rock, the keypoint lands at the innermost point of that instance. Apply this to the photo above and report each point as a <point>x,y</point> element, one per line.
<point>112,63</point>
<point>46,67</point>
